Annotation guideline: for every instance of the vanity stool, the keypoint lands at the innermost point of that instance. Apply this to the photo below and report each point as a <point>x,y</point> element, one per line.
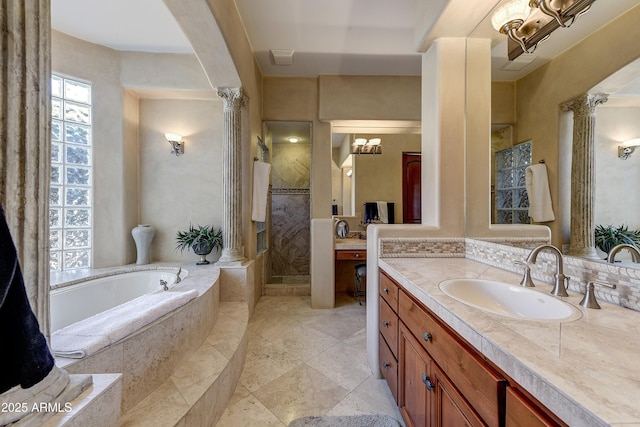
<point>361,277</point>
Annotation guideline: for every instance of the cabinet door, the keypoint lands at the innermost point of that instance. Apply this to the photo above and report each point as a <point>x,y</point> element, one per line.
<point>415,385</point>
<point>451,409</point>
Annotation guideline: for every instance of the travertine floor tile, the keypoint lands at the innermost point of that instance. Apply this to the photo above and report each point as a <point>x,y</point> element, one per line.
<point>264,363</point>
<point>303,361</point>
<point>300,392</point>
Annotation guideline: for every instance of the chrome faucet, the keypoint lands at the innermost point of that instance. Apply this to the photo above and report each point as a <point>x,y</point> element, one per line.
<point>178,279</point>
<point>635,253</point>
<point>163,285</point>
<point>559,289</point>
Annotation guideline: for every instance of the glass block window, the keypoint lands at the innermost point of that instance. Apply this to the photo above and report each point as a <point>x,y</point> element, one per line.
<point>71,191</point>
<point>512,201</point>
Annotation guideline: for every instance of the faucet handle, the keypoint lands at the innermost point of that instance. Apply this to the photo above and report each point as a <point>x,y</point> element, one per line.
<point>589,299</point>
<point>526,279</point>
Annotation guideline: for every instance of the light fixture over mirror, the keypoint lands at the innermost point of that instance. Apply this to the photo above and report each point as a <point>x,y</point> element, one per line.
<point>529,22</point>
<point>366,146</point>
<point>177,145</point>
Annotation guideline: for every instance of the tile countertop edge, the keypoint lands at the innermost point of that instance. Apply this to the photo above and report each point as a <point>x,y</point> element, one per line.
<point>542,385</point>
<point>350,244</point>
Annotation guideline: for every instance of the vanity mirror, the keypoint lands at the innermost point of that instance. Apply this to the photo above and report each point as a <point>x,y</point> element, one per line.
<point>538,115</point>
<point>360,178</point>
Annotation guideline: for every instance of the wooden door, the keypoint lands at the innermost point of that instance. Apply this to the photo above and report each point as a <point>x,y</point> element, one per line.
<point>411,189</point>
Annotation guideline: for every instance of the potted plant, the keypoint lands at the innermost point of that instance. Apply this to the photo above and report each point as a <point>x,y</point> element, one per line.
<point>610,236</point>
<point>201,239</point>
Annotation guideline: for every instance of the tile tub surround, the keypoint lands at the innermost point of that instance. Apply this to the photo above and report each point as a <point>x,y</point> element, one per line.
<point>583,371</point>
<point>149,356</point>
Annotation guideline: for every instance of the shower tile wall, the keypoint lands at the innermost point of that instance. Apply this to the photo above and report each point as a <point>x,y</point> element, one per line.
<point>290,211</point>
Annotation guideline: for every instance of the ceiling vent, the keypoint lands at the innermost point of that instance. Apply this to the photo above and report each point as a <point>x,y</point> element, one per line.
<point>519,63</point>
<point>282,56</point>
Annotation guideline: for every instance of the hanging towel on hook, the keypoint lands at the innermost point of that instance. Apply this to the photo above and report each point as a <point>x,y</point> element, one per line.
<point>537,182</point>
<point>261,172</point>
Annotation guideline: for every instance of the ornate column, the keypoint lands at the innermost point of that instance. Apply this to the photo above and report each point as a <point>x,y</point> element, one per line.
<point>232,249</point>
<point>582,241</point>
<point>25,104</point>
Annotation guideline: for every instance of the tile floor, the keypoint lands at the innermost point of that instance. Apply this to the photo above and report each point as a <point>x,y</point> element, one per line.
<point>302,361</point>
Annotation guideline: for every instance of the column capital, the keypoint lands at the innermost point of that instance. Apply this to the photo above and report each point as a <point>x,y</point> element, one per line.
<point>585,104</point>
<point>234,97</point>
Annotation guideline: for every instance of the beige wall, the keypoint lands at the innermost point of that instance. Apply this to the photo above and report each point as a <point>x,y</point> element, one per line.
<point>503,102</point>
<point>369,98</point>
<point>178,191</point>
<point>379,177</point>
<point>575,72</point>
<point>135,177</point>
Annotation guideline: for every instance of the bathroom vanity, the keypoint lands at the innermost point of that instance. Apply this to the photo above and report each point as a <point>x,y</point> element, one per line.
<point>348,254</point>
<point>448,363</point>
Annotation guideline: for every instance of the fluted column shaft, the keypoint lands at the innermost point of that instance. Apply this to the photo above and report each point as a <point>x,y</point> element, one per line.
<point>232,250</point>
<point>582,241</point>
<point>25,159</point>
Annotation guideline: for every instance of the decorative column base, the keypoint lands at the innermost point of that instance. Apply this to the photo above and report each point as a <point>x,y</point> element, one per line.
<point>232,257</point>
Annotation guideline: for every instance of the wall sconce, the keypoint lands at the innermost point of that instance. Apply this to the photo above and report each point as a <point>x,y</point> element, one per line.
<point>177,145</point>
<point>529,22</point>
<point>365,146</point>
<point>627,148</point>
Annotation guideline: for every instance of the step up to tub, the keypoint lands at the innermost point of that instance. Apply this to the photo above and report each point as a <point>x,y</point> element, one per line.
<point>99,405</point>
<point>287,289</point>
<point>199,390</point>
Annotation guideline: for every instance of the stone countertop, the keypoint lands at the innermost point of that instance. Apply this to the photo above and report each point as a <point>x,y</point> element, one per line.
<point>351,244</point>
<point>585,371</point>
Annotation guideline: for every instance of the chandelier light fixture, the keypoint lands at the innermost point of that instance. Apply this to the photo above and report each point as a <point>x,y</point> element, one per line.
<point>366,146</point>
<point>529,22</point>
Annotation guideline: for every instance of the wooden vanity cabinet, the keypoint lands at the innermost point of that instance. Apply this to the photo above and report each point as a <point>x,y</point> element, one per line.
<point>388,327</point>
<point>438,379</point>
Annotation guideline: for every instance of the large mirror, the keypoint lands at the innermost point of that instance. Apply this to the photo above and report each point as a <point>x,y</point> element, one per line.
<point>534,113</point>
<point>390,174</point>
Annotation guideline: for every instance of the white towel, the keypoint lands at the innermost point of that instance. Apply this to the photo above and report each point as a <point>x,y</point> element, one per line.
<point>383,214</point>
<point>91,335</point>
<point>537,182</point>
<point>260,190</point>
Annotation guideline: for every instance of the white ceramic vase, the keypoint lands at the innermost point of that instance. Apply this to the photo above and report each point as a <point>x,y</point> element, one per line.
<point>143,235</point>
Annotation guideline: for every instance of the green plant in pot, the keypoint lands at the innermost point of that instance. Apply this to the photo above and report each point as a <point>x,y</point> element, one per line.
<point>201,239</point>
<point>609,236</point>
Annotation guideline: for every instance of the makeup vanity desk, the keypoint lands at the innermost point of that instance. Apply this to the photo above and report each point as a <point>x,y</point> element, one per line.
<point>348,254</point>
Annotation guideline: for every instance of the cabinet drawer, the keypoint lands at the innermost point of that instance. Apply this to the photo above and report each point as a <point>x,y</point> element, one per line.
<point>351,255</point>
<point>389,326</point>
<point>389,368</point>
<point>389,291</point>
<point>481,386</point>
<point>521,412</point>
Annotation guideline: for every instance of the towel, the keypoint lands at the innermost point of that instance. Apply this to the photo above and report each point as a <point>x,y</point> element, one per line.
<point>25,358</point>
<point>537,182</point>
<point>91,335</point>
<point>382,212</point>
<point>370,212</point>
<point>260,190</point>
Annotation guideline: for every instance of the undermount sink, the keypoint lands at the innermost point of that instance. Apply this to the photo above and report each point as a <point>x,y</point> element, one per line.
<point>509,300</point>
